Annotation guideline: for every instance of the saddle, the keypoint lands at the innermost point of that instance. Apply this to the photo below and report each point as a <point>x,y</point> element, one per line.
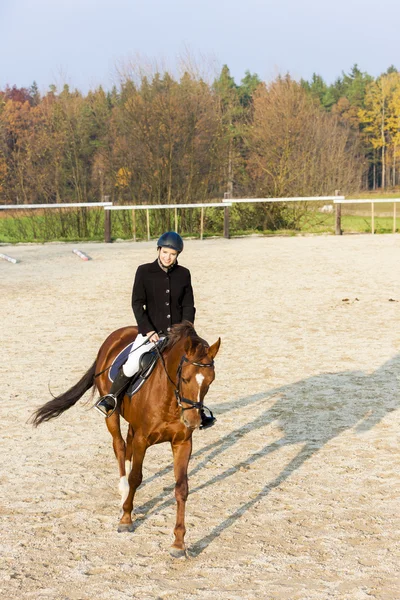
<point>148,361</point>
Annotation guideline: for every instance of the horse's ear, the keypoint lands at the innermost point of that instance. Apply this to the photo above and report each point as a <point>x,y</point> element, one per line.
<point>213,350</point>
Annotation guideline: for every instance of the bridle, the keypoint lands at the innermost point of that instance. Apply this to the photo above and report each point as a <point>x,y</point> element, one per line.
<point>177,391</point>
<point>177,386</point>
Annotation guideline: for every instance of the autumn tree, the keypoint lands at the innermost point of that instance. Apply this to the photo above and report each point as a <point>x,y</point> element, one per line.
<point>297,149</point>
<point>379,118</point>
<point>168,139</point>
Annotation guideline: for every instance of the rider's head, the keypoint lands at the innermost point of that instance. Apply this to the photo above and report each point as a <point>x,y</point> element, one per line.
<point>169,245</point>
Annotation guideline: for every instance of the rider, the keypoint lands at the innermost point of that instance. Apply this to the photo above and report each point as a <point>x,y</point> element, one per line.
<point>162,296</point>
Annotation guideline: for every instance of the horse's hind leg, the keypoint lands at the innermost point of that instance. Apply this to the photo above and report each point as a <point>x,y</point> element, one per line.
<point>182,453</point>
<point>114,427</point>
<point>139,447</point>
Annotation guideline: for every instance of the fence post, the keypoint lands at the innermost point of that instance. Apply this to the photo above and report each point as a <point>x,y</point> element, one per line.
<point>134,224</point>
<point>226,216</point>
<point>372,218</point>
<point>201,222</point>
<point>338,217</point>
<point>148,223</point>
<point>107,226</point>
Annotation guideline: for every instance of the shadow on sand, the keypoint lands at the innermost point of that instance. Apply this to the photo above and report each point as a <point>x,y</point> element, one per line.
<point>342,401</point>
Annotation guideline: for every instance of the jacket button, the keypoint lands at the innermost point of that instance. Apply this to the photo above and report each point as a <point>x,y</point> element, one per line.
<point>168,316</point>
<point>168,328</point>
<point>167,304</point>
<point>167,291</point>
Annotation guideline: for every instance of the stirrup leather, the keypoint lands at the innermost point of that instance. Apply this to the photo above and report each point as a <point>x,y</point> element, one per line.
<point>101,405</point>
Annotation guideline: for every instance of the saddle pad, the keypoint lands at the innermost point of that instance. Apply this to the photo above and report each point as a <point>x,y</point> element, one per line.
<point>135,386</point>
<point>119,360</point>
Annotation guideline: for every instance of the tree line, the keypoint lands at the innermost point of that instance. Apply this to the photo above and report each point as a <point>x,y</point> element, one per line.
<point>160,139</point>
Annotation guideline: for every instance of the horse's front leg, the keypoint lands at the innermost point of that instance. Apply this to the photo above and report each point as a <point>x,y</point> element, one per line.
<point>114,427</point>
<point>129,450</point>
<point>182,452</point>
<point>139,447</point>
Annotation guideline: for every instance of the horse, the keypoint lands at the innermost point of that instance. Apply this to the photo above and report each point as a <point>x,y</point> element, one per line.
<point>165,409</point>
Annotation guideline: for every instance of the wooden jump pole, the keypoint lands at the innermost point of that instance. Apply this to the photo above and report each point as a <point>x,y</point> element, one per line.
<point>8,258</point>
<point>176,219</point>
<point>201,222</point>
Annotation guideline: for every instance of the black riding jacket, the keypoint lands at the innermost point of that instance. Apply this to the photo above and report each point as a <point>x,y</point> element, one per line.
<point>160,299</point>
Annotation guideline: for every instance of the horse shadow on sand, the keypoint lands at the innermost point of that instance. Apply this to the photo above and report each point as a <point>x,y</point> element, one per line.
<point>310,412</point>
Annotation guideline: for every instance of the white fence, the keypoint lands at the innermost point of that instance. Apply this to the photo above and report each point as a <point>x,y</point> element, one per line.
<point>148,207</point>
<point>58,205</point>
<point>338,201</point>
<point>225,204</point>
<point>291,199</point>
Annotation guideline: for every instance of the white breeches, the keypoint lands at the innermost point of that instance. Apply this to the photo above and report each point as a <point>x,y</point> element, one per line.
<point>132,364</point>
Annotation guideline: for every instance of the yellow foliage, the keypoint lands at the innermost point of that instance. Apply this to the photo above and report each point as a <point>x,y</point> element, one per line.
<point>123,177</point>
<point>382,110</point>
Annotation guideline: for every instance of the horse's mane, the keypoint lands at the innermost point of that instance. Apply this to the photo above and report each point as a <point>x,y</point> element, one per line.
<point>186,330</point>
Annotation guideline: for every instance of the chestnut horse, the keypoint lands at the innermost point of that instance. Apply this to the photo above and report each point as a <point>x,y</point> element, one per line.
<point>165,409</point>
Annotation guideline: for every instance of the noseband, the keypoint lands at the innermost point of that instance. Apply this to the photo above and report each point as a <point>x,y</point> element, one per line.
<point>177,391</point>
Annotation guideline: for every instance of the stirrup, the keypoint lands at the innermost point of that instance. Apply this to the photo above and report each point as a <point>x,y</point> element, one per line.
<point>106,405</point>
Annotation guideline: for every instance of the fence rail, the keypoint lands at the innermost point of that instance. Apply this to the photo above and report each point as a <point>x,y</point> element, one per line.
<point>226,203</point>
<point>148,207</point>
<point>228,198</point>
<point>338,201</point>
<point>58,205</point>
<point>291,199</point>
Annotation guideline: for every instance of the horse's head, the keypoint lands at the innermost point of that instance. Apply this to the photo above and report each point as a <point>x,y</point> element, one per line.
<point>195,374</point>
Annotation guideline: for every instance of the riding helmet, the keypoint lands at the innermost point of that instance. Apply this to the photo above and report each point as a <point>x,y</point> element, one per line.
<point>171,239</point>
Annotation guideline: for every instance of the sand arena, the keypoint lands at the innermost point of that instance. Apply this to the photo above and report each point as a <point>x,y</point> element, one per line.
<point>294,493</point>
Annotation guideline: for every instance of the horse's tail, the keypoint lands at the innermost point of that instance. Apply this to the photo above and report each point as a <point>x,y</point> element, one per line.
<point>58,405</point>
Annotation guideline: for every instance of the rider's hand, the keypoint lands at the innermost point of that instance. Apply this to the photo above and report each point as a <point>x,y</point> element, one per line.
<point>153,336</point>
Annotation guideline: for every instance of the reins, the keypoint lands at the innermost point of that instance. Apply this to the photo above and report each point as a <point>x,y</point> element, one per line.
<point>177,386</point>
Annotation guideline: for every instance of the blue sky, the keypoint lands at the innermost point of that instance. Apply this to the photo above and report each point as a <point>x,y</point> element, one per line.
<point>82,42</point>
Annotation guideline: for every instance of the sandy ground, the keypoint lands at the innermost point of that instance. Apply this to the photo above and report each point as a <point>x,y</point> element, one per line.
<point>295,491</point>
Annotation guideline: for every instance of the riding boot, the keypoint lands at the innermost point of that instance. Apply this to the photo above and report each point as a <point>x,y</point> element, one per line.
<point>206,420</point>
<point>108,403</point>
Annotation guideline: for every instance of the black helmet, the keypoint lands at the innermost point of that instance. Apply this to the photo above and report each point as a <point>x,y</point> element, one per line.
<point>171,239</point>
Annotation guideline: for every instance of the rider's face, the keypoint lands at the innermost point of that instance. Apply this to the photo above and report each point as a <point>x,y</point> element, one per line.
<point>167,256</point>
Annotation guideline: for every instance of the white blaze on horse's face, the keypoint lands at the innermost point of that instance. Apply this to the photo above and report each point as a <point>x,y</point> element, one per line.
<point>191,417</point>
<point>199,379</point>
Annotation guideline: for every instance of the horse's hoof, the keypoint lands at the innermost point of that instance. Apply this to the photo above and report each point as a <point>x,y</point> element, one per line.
<point>178,552</point>
<point>129,527</point>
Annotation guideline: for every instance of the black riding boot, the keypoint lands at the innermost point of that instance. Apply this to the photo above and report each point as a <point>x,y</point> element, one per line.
<point>207,420</point>
<point>108,403</point>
